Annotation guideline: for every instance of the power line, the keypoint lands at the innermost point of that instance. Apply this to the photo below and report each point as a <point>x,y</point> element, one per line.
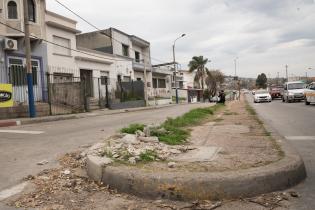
<point>50,42</point>
<point>92,25</point>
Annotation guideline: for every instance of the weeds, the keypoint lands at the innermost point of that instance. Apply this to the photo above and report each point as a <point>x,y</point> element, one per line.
<point>177,132</point>
<point>132,128</point>
<point>148,156</point>
<point>174,131</point>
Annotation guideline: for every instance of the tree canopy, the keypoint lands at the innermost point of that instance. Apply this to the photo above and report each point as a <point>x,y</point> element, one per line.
<point>198,64</point>
<point>261,81</point>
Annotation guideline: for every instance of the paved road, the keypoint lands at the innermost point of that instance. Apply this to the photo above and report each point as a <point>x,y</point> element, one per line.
<point>20,152</point>
<point>296,122</point>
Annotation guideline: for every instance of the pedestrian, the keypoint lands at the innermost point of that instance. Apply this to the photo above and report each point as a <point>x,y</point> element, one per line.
<point>222,97</point>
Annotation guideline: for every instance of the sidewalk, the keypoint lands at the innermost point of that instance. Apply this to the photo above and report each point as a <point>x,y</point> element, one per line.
<point>25,121</point>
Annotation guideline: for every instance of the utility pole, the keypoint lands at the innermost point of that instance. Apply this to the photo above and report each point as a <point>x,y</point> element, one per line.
<point>175,76</point>
<point>31,104</point>
<point>286,72</point>
<point>145,82</point>
<point>175,71</point>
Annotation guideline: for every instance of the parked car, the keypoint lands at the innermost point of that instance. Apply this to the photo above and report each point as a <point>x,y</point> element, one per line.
<point>262,96</point>
<point>310,94</point>
<point>276,91</point>
<point>293,91</point>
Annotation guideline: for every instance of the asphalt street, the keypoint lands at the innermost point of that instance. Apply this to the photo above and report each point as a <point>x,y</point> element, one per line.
<point>296,122</point>
<point>22,147</point>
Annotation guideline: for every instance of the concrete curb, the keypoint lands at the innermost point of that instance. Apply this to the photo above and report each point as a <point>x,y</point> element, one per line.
<point>280,175</point>
<point>10,123</point>
<point>27,121</point>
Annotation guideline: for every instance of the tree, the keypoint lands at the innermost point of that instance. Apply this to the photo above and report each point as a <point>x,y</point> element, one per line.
<point>214,78</point>
<point>261,81</point>
<point>198,64</point>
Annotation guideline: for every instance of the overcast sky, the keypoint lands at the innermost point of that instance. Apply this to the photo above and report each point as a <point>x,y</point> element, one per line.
<point>264,34</point>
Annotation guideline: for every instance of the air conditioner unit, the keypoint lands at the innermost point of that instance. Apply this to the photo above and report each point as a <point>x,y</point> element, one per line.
<point>10,44</point>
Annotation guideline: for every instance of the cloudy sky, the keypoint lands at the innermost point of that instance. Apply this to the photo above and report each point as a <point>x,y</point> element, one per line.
<point>265,35</point>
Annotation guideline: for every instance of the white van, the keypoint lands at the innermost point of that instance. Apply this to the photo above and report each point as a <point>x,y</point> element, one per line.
<point>293,91</point>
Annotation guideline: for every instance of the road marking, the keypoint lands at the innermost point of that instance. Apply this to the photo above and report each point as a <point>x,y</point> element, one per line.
<point>300,138</point>
<point>12,191</point>
<point>22,132</point>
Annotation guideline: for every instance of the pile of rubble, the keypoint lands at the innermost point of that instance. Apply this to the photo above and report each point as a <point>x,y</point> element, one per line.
<point>135,148</point>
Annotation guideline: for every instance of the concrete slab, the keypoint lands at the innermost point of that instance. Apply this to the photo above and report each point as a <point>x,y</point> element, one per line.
<point>201,154</point>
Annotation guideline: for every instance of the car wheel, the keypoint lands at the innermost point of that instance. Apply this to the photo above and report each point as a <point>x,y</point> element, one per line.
<point>306,102</point>
<point>283,99</point>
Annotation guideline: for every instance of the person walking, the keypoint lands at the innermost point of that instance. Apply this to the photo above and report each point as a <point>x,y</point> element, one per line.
<point>222,97</point>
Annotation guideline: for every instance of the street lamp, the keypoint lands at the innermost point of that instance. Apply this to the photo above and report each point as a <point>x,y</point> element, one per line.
<point>175,79</point>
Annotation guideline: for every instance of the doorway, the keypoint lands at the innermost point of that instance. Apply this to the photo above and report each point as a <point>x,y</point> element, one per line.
<point>86,77</point>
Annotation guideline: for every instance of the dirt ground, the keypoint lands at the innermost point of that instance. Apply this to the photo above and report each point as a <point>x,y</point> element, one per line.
<point>242,141</point>
<point>237,139</point>
<point>68,188</point>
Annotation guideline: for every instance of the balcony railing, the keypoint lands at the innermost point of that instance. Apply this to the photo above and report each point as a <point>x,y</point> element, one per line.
<point>140,66</point>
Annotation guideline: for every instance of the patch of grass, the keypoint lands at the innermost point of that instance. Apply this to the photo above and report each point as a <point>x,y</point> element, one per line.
<point>148,156</point>
<point>177,132</point>
<point>132,128</point>
<point>174,135</point>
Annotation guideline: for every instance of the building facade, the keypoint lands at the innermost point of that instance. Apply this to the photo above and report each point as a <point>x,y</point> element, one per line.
<point>12,51</point>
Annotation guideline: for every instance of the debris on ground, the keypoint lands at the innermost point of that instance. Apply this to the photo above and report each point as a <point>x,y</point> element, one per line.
<point>43,162</point>
<point>272,200</point>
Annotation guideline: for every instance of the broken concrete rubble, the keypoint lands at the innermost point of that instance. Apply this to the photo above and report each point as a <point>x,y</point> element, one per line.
<point>130,139</point>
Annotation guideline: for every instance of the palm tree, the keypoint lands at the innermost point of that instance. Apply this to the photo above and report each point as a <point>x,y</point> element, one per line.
<point>198,64</point>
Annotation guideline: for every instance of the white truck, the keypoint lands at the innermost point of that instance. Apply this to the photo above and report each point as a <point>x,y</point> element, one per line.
<point>293,91</point>
<point>310,94</point>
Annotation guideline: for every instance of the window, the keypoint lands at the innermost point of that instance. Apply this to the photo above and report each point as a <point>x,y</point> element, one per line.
<point>64,46</point>
<point>137,56</point>
<point>12,10</point>
<point>162,83</point>
<point>18,72</point>
<point>155,83</point>
<point>104,80</point>
<point>31,11</point>
<point>125,50</point>
<point>119,78</point>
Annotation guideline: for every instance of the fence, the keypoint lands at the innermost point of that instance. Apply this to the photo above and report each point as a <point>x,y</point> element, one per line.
<point>67,91</point>
<point>65,94</point>
<point>16,75</point>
